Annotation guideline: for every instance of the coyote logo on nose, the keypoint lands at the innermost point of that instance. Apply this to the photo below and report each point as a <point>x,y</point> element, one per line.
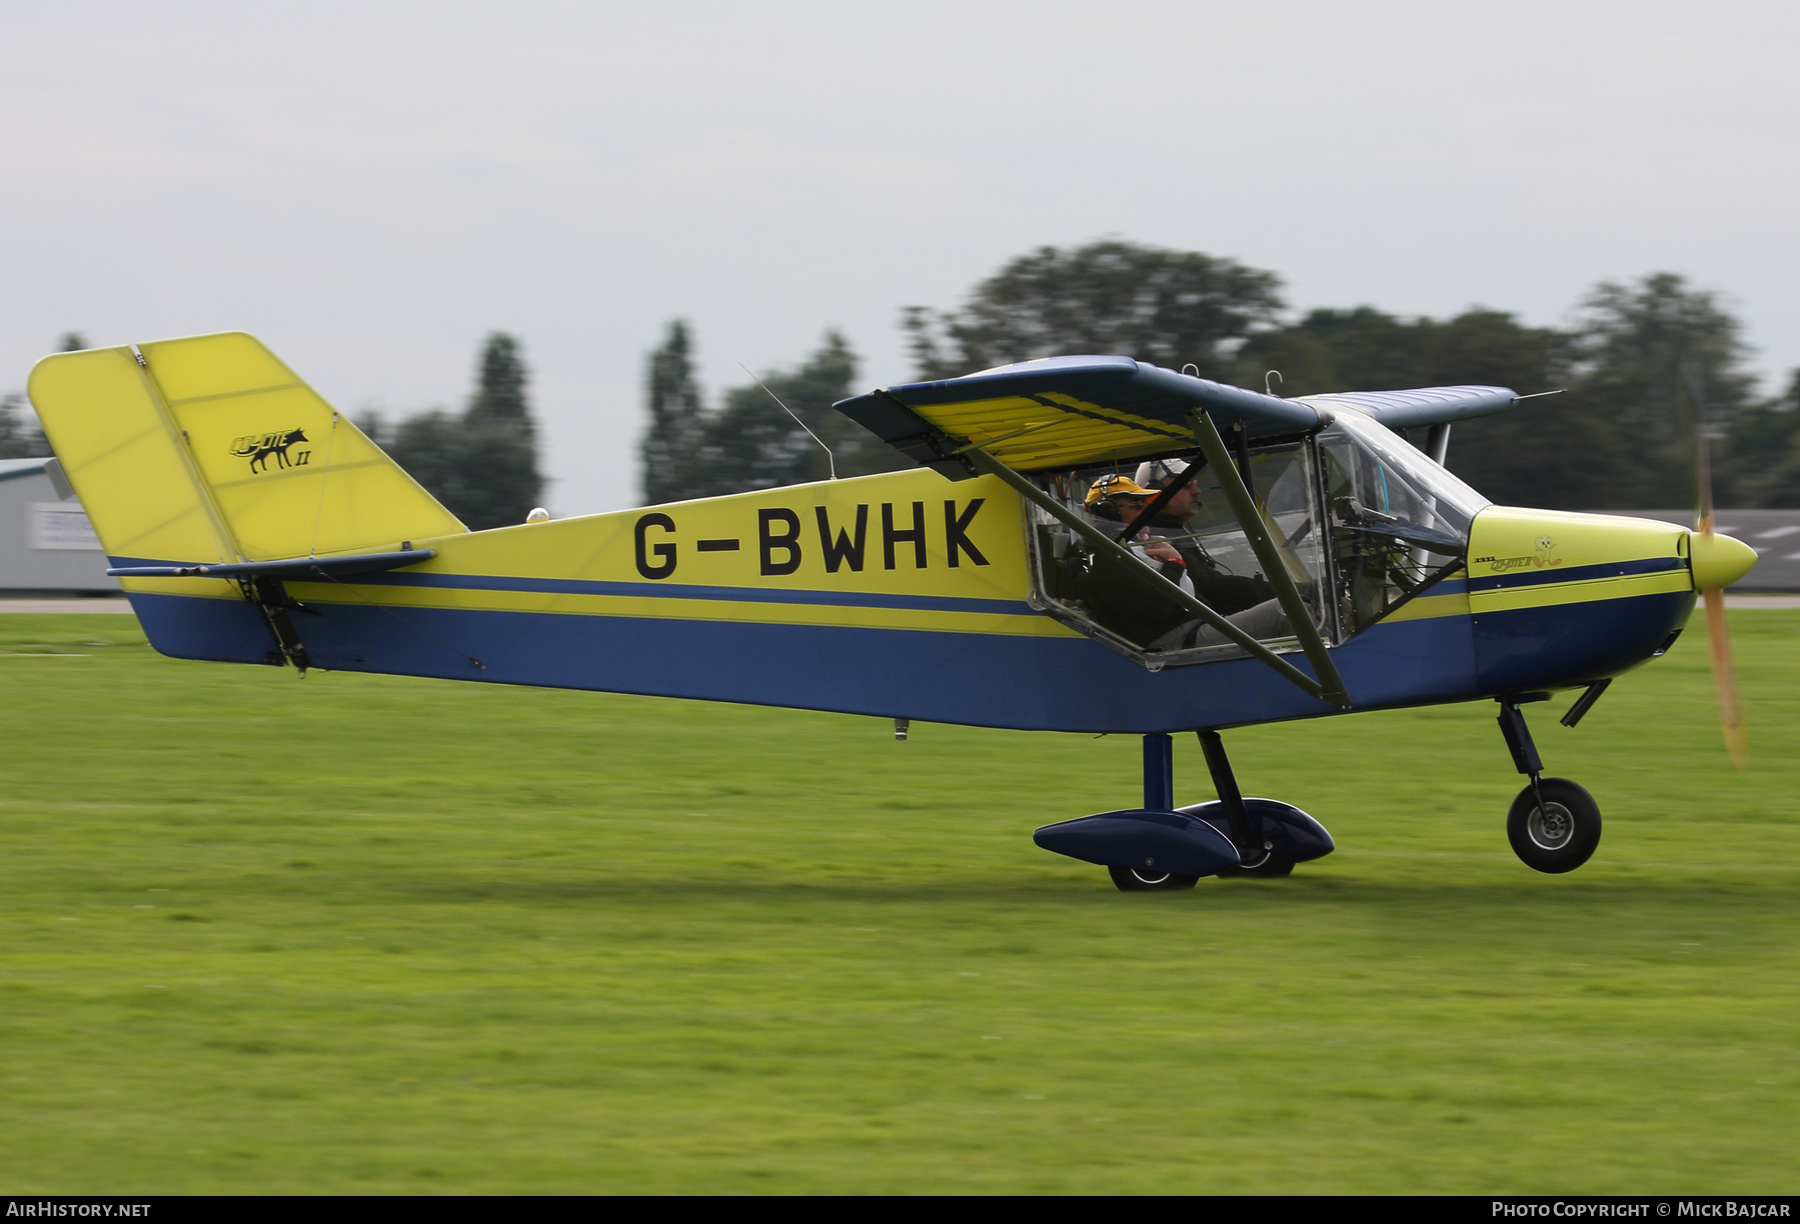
<point>258,447</point>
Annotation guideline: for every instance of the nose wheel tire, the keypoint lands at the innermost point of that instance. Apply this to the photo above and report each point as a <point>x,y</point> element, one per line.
<point>1142,879</point>
<point>1560,836</point>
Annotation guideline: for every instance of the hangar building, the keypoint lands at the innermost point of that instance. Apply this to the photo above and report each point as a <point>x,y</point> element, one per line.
<point>47,547</point>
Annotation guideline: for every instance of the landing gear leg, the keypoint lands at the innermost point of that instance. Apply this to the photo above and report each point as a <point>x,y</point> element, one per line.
<point>1553,825</point>
<point>1159,773</point>
<point>1259,857</point>
<point>1159,796</point>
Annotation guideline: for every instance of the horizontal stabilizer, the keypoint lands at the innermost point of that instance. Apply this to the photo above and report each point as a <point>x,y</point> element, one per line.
<point>297,568</point>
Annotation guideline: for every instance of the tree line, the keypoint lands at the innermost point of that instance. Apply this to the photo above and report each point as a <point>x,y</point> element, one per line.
<point>481,463</point>
<point>1642,365</point>
<point>758,437</point>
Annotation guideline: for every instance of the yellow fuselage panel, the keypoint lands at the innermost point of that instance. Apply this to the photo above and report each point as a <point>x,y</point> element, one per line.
<point>1434,606</point>
<point>1521,558</point>
<point>923,552</point>
<point>773,538</point>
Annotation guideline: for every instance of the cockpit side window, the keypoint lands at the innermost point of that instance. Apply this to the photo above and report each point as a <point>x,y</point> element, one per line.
<point>1398,521</point>
<point>1202,550</point>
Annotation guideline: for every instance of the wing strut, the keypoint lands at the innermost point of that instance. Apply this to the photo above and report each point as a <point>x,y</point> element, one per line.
<point>1107,546</point>
<point>1275,570</point>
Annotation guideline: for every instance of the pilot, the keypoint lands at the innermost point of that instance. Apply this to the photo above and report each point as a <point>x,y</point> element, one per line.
<point>1249,603</point>
<point>1120,500</point>
<point>1227,593</point>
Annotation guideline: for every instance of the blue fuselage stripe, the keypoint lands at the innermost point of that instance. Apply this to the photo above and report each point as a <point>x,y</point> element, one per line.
<point>1578,573</point>
<point>988,679</point>
<point>998,680</point>
<point>657,590</point>
<point>660,590</point>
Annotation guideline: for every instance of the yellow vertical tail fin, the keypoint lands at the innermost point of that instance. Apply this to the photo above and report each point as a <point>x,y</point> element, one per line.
<point>209,449</point>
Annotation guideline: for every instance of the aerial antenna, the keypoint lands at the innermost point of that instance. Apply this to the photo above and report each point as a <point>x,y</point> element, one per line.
<point>1275,374</point>
<point>830,459</point>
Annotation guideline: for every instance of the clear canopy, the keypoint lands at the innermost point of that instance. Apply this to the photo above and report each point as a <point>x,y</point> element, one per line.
<point>1399,520</point>
<point>1393,482</point>
<point>1361,520</point>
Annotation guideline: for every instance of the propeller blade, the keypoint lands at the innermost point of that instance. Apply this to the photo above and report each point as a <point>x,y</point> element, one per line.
<point>1717,562</point>
<point>1731,709</point>
<point>1703,509</point>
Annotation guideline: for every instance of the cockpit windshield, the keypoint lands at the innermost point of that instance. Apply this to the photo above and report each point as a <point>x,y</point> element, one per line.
<point>1398,520</point>
<point>1429,485</point>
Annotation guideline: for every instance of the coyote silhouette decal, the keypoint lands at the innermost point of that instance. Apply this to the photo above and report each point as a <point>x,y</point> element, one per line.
<point>258,447</point>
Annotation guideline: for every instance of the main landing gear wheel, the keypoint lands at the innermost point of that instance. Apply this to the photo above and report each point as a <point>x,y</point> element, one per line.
<point>1270,866</point>
<point>1560,836</point>
<point>1145,879</point>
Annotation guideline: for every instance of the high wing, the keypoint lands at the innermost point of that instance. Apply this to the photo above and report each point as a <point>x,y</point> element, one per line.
<point>1425,406</point>
<point>1070,411</point>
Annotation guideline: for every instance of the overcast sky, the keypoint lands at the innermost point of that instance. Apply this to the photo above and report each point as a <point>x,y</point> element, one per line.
<point>371,188</point>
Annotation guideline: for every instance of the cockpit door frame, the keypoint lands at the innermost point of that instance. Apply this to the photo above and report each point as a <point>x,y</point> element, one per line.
<point>1332,691</point>
<point>1275,571</point>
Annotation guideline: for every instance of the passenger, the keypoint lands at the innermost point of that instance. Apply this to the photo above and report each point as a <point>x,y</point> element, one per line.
<point>1117,499</point>
<point>1248,603</point>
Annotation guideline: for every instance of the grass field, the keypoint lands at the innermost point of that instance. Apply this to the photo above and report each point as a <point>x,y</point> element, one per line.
<point>369,934</point>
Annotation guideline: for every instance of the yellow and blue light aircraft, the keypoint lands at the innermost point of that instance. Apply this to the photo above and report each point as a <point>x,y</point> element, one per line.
<point>1328,565</point>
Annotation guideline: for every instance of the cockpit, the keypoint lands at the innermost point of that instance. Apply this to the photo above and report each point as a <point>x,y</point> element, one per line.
<point>1361,520</point>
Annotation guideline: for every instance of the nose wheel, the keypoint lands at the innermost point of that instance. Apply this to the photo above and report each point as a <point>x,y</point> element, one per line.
<point>1553,824</point>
